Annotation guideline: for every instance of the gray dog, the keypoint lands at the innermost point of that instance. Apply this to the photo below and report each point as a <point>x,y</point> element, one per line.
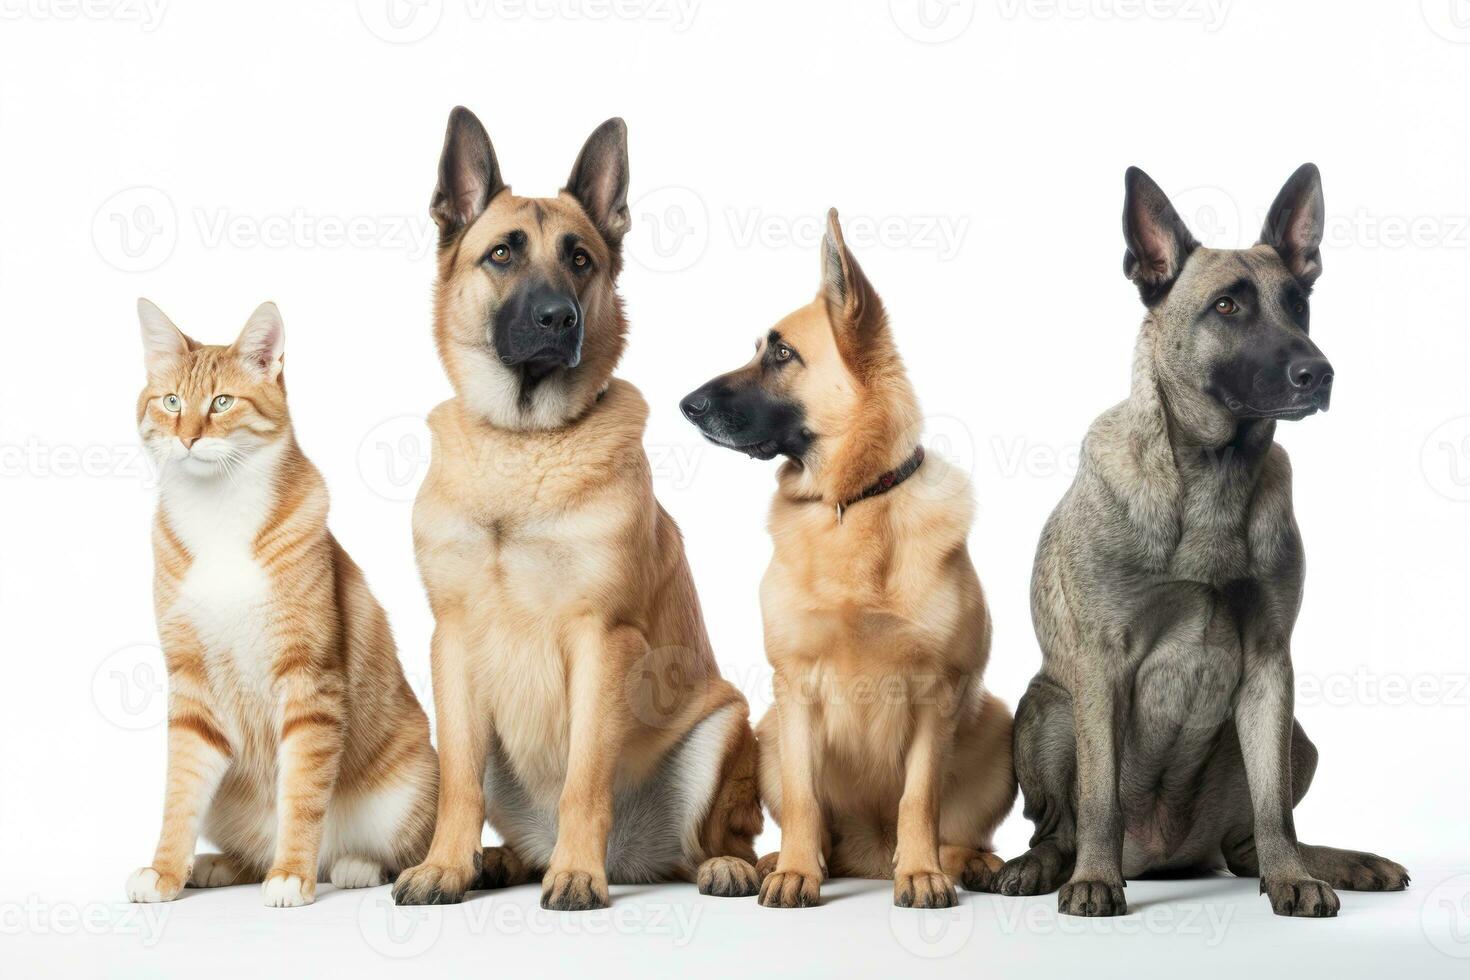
<point>1158,736</point>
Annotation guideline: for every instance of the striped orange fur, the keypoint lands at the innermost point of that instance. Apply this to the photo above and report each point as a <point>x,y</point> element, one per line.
<point>295,743</point>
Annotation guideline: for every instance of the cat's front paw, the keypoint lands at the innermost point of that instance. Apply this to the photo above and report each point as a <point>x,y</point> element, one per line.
<point>284,890</point>
<point>149,885</point>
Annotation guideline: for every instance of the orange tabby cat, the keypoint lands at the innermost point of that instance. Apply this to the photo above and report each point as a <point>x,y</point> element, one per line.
<point>294,741</point>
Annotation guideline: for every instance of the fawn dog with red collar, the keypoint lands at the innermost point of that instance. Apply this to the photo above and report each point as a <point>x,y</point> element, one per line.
<point>884,756</point>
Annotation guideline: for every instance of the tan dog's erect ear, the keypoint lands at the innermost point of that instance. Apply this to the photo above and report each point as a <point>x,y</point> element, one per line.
<point>599,180</point>
<point>261,346</point>
<point>853,305</point>
<point>1295,222</point>
<point>163,342</point>
<point>469,175</point>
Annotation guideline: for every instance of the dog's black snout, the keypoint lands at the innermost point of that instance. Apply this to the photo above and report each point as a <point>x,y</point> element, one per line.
<point>1310,373</point>
<point>695,405</point>
<point>556,313</point>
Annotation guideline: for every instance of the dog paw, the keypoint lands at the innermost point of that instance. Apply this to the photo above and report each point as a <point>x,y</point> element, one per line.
<point>357,872</point>
<point>1302,898</point>
<point>574,891</point>
<point>500,867</point>
<point>923,890</point>
<point>284,890</point>
<point>979,872</point>
<point>1362,872</point>
<point>727,877</point>
<point>1034,873</point>
<point>148,885</point>
<point>1091,898</point>
<point>791,890</point>
<point>436,884</point>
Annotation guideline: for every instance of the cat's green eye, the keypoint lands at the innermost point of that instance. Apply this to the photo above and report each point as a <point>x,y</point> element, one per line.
<point>223,402</point>
<point>171,403</point>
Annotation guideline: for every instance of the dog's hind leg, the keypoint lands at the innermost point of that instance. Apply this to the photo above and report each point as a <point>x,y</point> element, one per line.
<point>1344,869</point>
<point>727,839</point>
<point>1046,765</point>
<point>501,867</point>
<point>980,790</point>
<point>1354,870</point>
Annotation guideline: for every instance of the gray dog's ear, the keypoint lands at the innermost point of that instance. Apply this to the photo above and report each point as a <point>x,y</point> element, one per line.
<point>599,180</point>
<point>1294,223</point>
<point>1157,239</point>
<point>469,175</point>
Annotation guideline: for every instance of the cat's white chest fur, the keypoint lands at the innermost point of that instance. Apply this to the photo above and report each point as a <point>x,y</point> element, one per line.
<point>225,595</point>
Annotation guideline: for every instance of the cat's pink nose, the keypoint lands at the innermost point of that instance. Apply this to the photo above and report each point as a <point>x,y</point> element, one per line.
<point>188,441</point>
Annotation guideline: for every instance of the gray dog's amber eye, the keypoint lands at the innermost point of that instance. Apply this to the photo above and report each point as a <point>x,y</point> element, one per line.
<point>1225,305</point>
<point>500,254</point>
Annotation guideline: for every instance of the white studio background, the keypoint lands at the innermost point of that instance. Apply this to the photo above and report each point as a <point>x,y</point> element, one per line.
<point>212,156</point>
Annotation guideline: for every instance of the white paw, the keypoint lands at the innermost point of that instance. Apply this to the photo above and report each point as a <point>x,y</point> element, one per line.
<point>356,872</point>
<point>147,885</point>
<point>213,871</point>
<point>282,891</point>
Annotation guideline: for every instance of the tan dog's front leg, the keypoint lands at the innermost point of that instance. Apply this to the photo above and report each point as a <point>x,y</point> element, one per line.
<point>918,880</point>
<point>453,863</point>
<point>312,731</point>
<point>576,877</point>
<point>797,880</point>
<point>600,722</point>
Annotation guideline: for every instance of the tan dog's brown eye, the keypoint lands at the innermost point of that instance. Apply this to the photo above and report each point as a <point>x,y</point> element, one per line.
<point>1225,305</point>
<point>500,254</point>
<point>783,353</point>
<point>581,259</point>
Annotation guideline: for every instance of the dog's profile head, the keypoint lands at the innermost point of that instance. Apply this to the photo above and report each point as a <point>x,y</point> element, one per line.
<point>1232,324</point>
<point>826,387</point>
<point>527,318</point>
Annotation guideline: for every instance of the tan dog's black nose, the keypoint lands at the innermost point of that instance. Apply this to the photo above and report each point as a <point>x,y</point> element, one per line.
<point>557,313</point>
<point>695,405</point>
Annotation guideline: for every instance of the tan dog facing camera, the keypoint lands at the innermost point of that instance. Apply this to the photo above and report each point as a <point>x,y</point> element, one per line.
<point>884,756</point>
<point>578,702</point>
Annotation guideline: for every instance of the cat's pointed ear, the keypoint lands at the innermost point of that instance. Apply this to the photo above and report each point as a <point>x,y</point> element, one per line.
<point>1157,239</point>
<point>163,343</point>
<point>262,344</point>
<point>469,175</point>
<point>599,180</point>
<point>1295,223</point>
